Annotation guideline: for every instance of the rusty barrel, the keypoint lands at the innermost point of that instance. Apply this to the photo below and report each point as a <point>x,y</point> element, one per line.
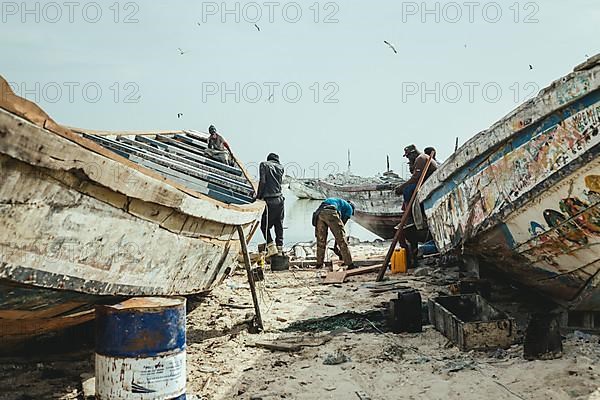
<point>140,349</point>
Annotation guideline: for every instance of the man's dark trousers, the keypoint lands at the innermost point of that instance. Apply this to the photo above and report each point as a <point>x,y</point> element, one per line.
<point>273,218</point>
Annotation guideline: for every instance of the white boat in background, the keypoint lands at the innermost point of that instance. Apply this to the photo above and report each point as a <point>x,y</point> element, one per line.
<point>305,188</point>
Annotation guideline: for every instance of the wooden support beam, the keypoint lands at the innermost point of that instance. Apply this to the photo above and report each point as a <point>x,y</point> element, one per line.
<point>259,322</point>
<point>405,215</point>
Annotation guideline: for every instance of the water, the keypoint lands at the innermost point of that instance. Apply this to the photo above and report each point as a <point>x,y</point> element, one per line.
<point>298,223</point>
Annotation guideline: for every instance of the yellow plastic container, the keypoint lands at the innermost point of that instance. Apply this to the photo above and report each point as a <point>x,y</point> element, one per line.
<point>399,261</point>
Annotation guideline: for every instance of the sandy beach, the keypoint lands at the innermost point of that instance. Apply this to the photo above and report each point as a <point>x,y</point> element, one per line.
<point>224,362</point>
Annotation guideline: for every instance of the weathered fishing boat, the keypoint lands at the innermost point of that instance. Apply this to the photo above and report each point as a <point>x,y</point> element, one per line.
<point>306,188</point>
<point>524,195</point>
<point>377,208</point>
<point>86,216</point>
<point>380,223</point>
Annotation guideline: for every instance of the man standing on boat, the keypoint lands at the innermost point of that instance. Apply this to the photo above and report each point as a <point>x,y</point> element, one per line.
<point>218,147</point>
<point>269,190</point>
<point>332,215</point>
<point>417,163</point>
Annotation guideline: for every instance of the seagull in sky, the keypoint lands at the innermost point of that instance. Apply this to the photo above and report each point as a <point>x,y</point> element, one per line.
<point>391,46</point>
<point>181,52</point>
<point>257,27</point>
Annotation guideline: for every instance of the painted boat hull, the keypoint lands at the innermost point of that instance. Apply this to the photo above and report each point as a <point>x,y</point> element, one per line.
<point>378,198</point>
<point>381,224</point>
<point>524,195</point>
<point>77,218</point>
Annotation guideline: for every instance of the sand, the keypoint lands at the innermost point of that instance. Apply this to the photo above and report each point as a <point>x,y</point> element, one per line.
<point>224,363</point>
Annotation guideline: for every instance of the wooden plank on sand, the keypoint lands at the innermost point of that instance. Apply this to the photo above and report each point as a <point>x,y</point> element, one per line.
<point>340,276</point>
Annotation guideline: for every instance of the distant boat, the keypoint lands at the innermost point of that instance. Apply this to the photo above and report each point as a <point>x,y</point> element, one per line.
<point>381,224</point>
<point>87,216</point>
<point>305,188</point>
<point>524,195</point>
<point>377,207</point>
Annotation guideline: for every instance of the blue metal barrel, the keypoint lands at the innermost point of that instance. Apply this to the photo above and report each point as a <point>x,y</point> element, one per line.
<point>140,349</point>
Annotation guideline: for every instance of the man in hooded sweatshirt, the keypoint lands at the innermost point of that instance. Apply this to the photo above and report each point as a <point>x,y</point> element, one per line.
<point>269,190</point>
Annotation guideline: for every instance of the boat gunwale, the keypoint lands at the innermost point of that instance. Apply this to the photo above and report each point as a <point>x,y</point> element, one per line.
<point>188,198</point>
<point>502,132</point>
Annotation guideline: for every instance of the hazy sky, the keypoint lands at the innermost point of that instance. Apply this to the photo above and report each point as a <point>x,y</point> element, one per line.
<point>471,58</point>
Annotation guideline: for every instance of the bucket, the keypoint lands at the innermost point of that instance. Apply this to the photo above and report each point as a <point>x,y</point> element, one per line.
<point>140,349</point>
<point>405,312</point>
<point>280,263</point>
<point>399,262</point>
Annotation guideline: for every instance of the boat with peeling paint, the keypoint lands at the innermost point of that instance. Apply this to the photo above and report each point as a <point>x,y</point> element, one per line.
<point>377,207</point>
<point>524,195</point>
<point>305,188</point>
<point>87,216</point>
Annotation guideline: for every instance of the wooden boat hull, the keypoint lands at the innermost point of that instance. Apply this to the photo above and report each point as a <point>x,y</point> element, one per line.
<point>306,189</point>
<point>77,218</point>
<point>524,196</point>
<point>381,224</point>
<point>378,198</point>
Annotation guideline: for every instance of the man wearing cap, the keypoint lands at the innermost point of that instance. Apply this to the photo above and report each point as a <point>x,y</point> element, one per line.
<point>269,190</point>
<point>332,215</point>
<point>218,147</point>
<point>417,163</point>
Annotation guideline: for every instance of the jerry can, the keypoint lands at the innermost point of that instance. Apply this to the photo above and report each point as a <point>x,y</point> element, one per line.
<point>399,261</point>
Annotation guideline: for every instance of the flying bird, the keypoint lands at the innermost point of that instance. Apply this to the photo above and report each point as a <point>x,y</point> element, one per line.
<point>179,115</point>
<point>270,99</point>
<point>257,27</point>
<point>391,46</point>
<point>198,23</point>
<point>530,66</point>
<point>181,52</point>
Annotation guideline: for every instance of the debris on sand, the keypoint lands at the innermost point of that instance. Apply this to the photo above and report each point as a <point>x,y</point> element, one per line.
<point>336,358</point>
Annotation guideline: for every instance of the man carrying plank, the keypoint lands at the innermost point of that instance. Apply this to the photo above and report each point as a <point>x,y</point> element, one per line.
<point>333,214</point>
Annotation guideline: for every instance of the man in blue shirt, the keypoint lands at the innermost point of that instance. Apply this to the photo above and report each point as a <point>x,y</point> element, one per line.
<point>333,214</point>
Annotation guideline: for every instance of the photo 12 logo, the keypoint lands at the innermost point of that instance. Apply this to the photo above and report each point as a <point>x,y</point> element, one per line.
<point>270,11</point>
<point>470,11</point>
<point>269,92</point>
<point>72,92</point>
<point>470,92</point>
<point>69,12</point>
<point>298,170</point>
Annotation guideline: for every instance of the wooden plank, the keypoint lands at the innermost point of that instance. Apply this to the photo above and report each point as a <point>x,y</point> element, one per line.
<point>335,277</point>
<point>244,245</point>
<point>405,216</point>
<point>24,328</point>
<point>192,141</point>
<point>23,120</point>
<point>313,262</point>
<point>173,149</point>
<point>186,161</point>
<point>174,165</point>
<point>364,270</point>
<point>54,152</point>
